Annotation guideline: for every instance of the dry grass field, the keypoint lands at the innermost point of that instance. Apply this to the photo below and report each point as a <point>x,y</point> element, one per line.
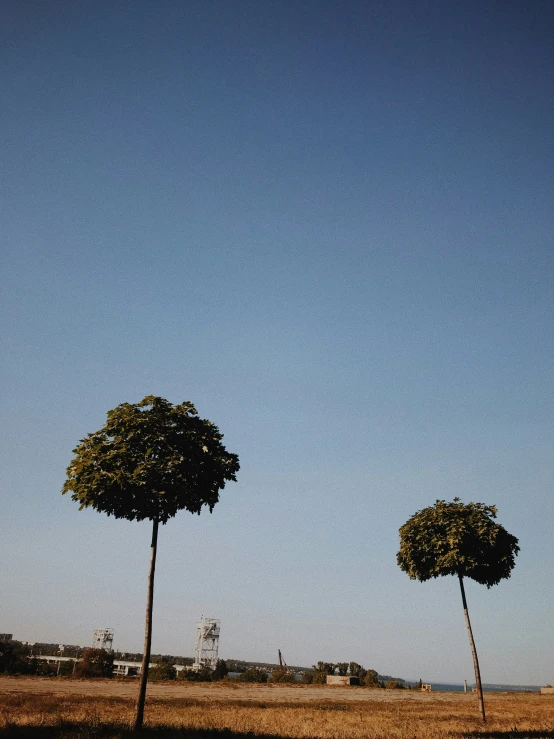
<point>41,708</point>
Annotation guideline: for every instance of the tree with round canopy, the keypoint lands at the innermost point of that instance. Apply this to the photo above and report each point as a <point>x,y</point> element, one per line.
<point>453,538</point>
<point>149,461</point>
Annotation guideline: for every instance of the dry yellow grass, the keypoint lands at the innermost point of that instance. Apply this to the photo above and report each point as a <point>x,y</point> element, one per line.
<point>47,708</point>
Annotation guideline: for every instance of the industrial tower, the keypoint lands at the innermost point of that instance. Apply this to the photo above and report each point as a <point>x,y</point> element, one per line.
<point>103,639</point>
<point>207,643</point>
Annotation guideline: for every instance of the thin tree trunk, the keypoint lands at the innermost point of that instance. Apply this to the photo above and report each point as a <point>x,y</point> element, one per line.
<point>147,632</point>
<point>473,652</point>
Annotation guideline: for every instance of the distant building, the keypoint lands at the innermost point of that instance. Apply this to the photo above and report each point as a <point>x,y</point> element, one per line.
<point>343,680</point>
<point>120,667</point>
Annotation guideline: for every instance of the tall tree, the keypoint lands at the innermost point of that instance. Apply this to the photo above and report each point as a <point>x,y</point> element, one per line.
<point>150,460</point>
<point>453,538</point>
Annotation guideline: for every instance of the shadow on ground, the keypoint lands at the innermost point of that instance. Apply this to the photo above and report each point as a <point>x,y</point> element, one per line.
<point>509,734</point>
<point>72,731</point>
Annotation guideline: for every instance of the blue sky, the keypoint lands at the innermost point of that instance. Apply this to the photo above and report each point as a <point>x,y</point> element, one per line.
<point>329,225</point>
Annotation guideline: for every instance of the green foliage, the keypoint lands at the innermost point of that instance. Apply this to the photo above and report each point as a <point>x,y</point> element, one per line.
<point>64,669</point>
<point>457,539</point>
<point>321,670</point>
<point>239,665</point>
<point>162,671</point>
<point>371,679</point>
<point>307,678</point>
<point>319,678</point>
<point>253,675</point>
<point>198,676</point>
<point>19,666</point>
<point>95,663</point>
<point>282,676</point>
<point>327,667</point>
<point>70,650</point>
<point>393,685</point>
<point>171,659</point>
<point>45,670</point>
<point>150,460</point>
<point>220,670</point>
<point>6,655</point>
<point>14,659</point>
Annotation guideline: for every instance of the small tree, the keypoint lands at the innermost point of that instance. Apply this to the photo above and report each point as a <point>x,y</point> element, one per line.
<point>371,679</point>
<point>6,656</point>
<point>67,669</point>
<point>282,676</point>
<point>321,670</point>
<point>162,671</point>
<point>14,659</point>
<point>148,461</point>
<point>342,667</point>
<point>203,675</point>
<point>220,670</point>
<point>458,539</point>
<point>326,667</point>
<point>95,663</point>
<point>393,685</point>
<point>46,670</point>
<point>253,675</point>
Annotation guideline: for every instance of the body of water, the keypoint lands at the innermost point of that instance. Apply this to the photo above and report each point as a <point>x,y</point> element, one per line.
<point>487,687</point>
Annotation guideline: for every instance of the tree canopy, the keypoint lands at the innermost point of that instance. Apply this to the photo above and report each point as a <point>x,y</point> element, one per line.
<point>150,460</point>
<point>162,671</point>
<point>220,670</point>
<point>460,539</point>
<point>95,663</point>
<point>453,538</point>
<point>253,675</point>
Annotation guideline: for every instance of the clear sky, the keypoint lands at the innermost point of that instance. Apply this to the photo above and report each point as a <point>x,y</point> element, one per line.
<point>329,225</point>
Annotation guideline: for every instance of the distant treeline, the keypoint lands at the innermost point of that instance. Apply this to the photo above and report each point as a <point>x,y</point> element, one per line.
<point>27,649</point>
<point>69,650</point>
<point>137,657</point>
<point>20,658</point>
<point>240,665</point>
<point>370,678</point>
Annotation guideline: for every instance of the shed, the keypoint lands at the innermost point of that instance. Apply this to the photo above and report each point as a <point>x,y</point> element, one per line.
<point>342,680</point>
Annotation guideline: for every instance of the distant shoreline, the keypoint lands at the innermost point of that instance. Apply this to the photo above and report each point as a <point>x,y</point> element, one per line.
<point>487,687</point>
